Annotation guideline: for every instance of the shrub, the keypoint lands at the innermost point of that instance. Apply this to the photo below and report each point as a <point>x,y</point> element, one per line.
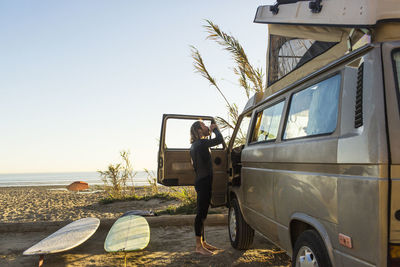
<point>186,194</point>
<point>151,178</point>
<point>116,177</point>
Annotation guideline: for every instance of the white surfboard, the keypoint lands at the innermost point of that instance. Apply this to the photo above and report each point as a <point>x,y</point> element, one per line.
<point>68,237</point>
<point>128,233</point>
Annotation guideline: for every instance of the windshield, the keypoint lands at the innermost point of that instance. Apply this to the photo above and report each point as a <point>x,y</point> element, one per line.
<point>241,135</point>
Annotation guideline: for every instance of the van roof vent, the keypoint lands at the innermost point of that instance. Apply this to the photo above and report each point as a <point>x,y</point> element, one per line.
<point>358,122</point>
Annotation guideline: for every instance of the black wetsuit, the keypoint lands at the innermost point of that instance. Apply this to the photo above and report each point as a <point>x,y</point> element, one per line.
<point>202,164</point>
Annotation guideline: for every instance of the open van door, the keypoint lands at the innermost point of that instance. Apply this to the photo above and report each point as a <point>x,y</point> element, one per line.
<point>174,161</point>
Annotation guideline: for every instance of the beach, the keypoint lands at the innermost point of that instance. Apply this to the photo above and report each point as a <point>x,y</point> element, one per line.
<point>56,203</point>
<point>29,214</point>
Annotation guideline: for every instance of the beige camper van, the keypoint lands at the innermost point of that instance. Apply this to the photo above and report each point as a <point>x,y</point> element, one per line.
<point>314,162</point>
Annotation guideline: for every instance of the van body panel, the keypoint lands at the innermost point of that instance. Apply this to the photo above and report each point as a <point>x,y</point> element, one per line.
<point>306,151</point>
<point>309,193</point>
<point>343,259</point>
<point>363,201</point>
<point>392,100</point>
<point>258,187</point>
<point>263,224</point>
<point>362,216</point>
<point>237,193</point>
<point>285,240</point>
<point>367,170</point>
<point>368,143</point>
<point>393,118</point>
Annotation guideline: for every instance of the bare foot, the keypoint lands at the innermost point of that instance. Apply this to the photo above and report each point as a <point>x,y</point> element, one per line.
<point>209,247</point>
<point>203,251</point>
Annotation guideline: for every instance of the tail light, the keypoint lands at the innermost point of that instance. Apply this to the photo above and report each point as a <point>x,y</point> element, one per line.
<point>394,255</point>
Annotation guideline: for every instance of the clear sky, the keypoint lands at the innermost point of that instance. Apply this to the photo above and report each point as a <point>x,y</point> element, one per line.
<point>82,80</point>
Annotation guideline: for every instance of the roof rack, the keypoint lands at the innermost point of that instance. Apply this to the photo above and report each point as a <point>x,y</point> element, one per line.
<point>314,5</point>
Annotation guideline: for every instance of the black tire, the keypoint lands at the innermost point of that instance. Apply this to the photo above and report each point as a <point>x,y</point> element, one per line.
<point>240,233</point>
<point>309,247</point>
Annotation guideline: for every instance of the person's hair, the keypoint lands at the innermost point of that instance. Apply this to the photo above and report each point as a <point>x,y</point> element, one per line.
<point>194,132</point>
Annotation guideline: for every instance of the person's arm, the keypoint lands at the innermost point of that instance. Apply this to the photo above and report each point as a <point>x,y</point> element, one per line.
<point>218,139</point>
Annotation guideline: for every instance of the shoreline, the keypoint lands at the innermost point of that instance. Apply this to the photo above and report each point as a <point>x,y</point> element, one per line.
<point>141,184</point>
<point>92,187</point>
<point>63,178</point>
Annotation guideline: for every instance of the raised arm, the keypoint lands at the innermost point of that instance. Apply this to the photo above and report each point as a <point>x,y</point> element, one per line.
<point>218,139</point>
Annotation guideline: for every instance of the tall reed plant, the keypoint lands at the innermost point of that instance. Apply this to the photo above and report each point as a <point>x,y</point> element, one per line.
<point>152,180</point>
<point>117,175</point>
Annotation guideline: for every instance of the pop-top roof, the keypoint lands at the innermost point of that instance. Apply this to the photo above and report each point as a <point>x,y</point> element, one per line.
<point>307,35</point>
<point>343,13</point>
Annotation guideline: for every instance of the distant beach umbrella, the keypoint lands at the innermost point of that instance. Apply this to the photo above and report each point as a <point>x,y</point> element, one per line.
<point>78,186</point>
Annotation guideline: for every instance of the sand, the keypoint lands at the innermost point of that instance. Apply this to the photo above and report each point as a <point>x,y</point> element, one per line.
<point>169,246</point>
<point>49,203</point>
<point>42,211</point>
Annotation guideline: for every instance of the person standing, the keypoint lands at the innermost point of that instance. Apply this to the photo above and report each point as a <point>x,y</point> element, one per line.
<point>202,164</point>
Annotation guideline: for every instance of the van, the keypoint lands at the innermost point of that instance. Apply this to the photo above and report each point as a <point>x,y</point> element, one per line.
<point>313,164</point>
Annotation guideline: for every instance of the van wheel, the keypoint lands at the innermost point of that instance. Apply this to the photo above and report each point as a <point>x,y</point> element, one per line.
<point>309,250</point>
<point>240,233</point>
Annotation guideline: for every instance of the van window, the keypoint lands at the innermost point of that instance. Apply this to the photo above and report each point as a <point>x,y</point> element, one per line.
<point>267,123</point>
<point>287,54</point>
<point>177,134</point>
<point>314,110</point>
<point>240,138</point>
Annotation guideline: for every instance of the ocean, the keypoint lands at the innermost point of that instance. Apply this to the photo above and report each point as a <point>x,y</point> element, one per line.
<point>61,178</point>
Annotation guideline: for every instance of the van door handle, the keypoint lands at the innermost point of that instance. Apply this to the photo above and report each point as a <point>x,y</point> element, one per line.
<point>160,162</point>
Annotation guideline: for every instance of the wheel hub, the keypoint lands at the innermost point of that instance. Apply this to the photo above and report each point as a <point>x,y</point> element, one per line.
<point>232,224</point>
<point>306,258</point>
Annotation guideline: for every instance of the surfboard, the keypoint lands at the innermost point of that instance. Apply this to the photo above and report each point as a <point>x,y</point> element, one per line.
<point>68,237</point>
<point>144,213</point>
<point>128,233</point>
